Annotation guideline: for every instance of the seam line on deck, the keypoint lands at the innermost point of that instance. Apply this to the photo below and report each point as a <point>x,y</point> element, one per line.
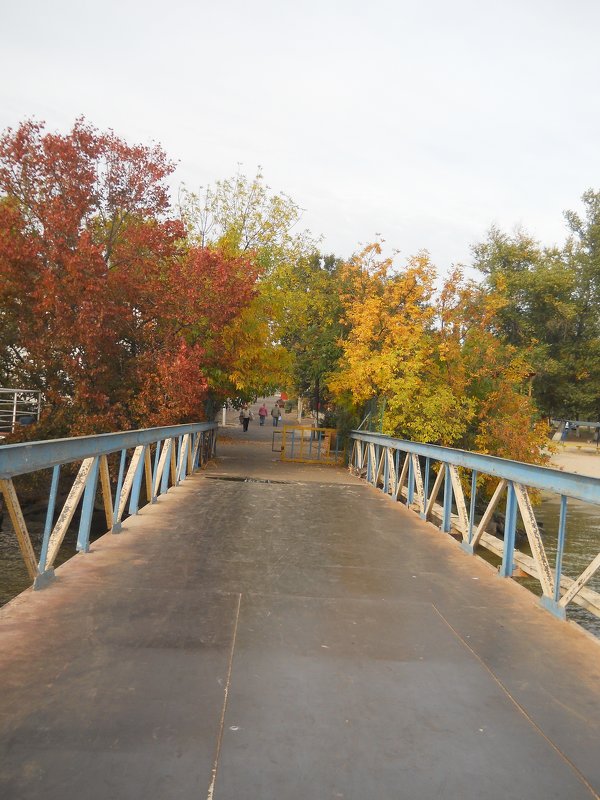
<point>520,708</point>
<point>213,777</point>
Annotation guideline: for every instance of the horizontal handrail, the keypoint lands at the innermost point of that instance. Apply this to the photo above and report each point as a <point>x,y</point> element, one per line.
<point>581,487</point>
<point>19,459</point>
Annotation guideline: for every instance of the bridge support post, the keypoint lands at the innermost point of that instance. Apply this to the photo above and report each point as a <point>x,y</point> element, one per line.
<point>201,444</point>
<point>410,495</point>
<point>386,473</point>
<point>155,471</point>
<point>49,518</point>
<point>553,607</point>
<point>423,513</point>
<point>43,579</point>
<point>467,545</point>
<point>85,523</point>
<point>164,481</point>
<point>447,517</point>
<point>134,502</point>
<point>116,528</point>
<point>510,526</point>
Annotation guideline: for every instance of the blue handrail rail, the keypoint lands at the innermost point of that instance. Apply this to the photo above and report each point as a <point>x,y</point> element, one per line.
<point>19,459</point>
<point>582,487</point>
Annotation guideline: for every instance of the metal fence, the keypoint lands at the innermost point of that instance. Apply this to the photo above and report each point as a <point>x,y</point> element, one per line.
<point>309,445</point>
<point>18,407</point>
<point>156,457</point>
<point>405,471</point>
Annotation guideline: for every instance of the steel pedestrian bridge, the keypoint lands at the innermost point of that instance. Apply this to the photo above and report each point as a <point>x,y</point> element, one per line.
<point>265,630</point>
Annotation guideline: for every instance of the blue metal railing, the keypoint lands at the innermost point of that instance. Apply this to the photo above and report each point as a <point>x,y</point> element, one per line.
<point>178,450</point>
<point>395,466</point>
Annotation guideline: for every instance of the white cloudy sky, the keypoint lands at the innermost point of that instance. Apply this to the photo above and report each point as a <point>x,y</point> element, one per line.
<point>423,121</point>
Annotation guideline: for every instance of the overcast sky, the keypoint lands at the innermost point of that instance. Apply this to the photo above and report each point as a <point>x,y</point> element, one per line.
<point>423,121</point>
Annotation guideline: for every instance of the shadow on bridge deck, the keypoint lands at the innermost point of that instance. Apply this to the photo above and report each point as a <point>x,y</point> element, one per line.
<point>299,639</point>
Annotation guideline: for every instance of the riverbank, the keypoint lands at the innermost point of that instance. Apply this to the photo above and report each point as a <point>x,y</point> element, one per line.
<point>584,459</point>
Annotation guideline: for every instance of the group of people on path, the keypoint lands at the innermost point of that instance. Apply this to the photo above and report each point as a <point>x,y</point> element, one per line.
<point>263,412</point>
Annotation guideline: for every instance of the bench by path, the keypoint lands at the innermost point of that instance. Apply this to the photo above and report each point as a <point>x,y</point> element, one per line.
<point>296,639</point>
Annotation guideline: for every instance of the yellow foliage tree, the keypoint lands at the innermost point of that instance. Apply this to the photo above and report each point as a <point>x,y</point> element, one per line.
<point>435,358</point>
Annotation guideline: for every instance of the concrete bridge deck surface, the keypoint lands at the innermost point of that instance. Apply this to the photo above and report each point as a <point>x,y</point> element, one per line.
<point>285,641</point>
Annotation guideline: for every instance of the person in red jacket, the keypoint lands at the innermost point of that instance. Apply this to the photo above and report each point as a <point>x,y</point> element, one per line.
<point>263,413</point>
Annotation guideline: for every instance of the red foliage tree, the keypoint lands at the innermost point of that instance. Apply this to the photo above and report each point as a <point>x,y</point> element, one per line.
<point>102,304</point>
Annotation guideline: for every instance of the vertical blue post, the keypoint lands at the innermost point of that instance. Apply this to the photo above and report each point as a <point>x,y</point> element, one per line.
<point>117,525</point>
<point>83,538</point>
<point>202,437</point>
<point>184,457</point>
<point>510,527</point>
<point>155,470</point>
<point>560,546</point>
<point>447,517</point>
<point>411,482</point>
<point>179,456</point>
<point>423,513</point>
<point>472,504</point>
<point>368,463</point>
<point>193,440</point>
<point>164,481</point>
<point>397,465</point>
<point>49,517</point>
<point>385,474</point>
<point>134,502</point>
<point>467,545</point>
<point>551,603</point>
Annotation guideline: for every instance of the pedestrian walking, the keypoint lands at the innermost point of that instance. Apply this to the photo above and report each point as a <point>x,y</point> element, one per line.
<point>276,414</point>
<point>263,413</point>
<point>245,416</point>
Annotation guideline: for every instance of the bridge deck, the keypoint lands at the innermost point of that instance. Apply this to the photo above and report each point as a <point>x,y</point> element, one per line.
<point>290,640</point>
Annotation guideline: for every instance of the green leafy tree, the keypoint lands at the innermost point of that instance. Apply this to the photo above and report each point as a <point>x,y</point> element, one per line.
<point>311,324</point>
<point>552,308</point>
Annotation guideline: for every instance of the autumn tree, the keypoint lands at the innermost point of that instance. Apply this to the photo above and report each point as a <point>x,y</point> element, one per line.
<point>105,306</point>
<point>243,217</point>
<point>434,357</point>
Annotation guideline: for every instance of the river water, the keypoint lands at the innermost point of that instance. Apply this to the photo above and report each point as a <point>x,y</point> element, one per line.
<point>581,546</point>
<point>13,575</point>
